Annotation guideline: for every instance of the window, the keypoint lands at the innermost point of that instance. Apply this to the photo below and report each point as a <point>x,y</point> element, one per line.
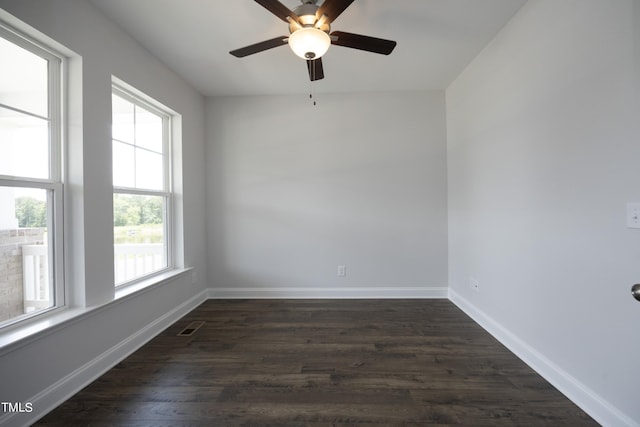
<point>141,186</point>
<point>31,274</point>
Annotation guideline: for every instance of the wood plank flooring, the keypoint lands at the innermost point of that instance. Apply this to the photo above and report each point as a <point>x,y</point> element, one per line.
<point>321,363</point>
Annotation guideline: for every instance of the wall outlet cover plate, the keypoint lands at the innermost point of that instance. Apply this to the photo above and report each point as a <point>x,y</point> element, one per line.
<point>633,215</point>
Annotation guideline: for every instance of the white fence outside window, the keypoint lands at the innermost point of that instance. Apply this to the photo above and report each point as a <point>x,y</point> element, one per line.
<point>136,260</point>
<point>131,261</point>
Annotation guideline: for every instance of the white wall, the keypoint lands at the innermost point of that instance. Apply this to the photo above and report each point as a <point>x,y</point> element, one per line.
<point>44,368</point>
<point>543,153</point>
<point>296,190</point>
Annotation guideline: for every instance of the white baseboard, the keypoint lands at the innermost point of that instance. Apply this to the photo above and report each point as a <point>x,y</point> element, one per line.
<point>54,395</point>
<point>329,293</point>
<point>590,402</point>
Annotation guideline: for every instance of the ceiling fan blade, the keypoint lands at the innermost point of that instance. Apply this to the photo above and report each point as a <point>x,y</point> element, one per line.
<point>259,47</point>
<point>316,72</point>
<point>356,41</point>
<point>332,8</point>
<point>278,9</point>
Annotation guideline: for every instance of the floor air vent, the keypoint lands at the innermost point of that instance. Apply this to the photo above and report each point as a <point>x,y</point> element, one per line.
<point>190,329</point>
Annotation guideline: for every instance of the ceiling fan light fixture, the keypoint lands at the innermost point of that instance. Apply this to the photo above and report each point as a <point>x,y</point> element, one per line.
<point>309,42</point>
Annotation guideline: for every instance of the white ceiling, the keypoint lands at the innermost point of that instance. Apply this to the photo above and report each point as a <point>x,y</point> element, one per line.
<point>436,40</point>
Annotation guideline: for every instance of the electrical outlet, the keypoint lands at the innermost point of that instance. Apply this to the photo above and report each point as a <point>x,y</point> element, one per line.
<point>633,215</point>
<point>342,270</point>
<point>475,285</point>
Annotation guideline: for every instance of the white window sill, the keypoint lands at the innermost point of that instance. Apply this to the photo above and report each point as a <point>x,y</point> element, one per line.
<point>147,284</point>
<point>39,326</point>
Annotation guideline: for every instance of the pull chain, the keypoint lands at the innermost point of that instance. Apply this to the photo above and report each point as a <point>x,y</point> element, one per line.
<point>311,92</point>
<point>312,83</point>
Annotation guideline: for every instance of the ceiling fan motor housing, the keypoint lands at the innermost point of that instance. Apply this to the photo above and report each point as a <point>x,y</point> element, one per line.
<point>307,14</point>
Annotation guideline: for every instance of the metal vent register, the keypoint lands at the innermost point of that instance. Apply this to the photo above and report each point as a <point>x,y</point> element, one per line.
<point>190,329</point>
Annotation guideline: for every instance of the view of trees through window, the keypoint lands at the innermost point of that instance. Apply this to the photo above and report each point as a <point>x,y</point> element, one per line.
<point>130,212</point>
<point>136,210</point>
<point>138,219</point>
<point>31,212</point>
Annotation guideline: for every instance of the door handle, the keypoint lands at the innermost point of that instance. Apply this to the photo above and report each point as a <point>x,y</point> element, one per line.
<point>635,291</point>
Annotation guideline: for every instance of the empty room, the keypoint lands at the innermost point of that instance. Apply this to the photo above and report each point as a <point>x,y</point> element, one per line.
<point>331,212</point>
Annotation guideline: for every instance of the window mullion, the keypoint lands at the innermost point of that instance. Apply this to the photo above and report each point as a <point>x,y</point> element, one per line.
<point>141,192</point>
<point>26,113</point>
<point>55,117</point>
<point>167,154</point>
<point>29,183</point>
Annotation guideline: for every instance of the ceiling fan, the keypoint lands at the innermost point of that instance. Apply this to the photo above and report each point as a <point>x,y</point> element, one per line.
<point>310,33</point>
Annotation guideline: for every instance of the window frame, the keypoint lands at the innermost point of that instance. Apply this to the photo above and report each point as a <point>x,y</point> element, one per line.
<point>54,184</point>
<point>142,100</point>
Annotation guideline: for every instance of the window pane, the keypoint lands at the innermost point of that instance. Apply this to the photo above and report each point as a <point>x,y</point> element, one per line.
<point>139,236</point>
<point>23,79</point>
<point>26,285</point>
<point>122,127</point>
<point>24,144</point>
<point>123,165</point>
<point>148,130</point>
<point>149,170</point>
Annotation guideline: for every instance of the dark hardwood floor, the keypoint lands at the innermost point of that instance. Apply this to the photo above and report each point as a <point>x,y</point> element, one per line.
<point>321,363</point>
